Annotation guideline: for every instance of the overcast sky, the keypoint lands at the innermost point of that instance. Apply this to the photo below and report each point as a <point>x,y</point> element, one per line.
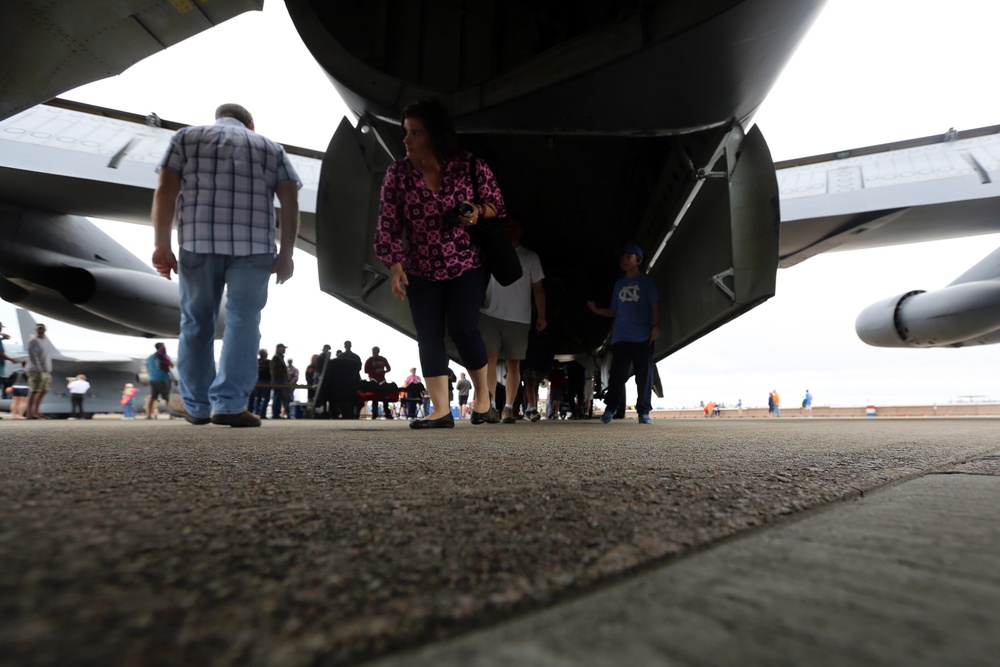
<point>869,72</point>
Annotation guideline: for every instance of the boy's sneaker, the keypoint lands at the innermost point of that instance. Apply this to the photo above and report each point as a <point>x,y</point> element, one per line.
<point>607,417</point>
<point>645,419</point>
<point>534,416</point>
<point>507,416</point>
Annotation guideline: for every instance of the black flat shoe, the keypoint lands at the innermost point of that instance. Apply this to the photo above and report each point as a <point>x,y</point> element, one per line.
<point>448,421</point>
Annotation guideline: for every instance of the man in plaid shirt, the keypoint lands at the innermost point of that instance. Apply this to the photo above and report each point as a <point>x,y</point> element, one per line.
<point>219,182</point>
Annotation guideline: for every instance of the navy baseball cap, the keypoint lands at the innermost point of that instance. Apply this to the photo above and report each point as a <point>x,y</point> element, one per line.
<point>633,249</point>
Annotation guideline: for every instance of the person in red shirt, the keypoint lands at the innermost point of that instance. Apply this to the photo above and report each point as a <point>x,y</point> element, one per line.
<point>376,367</point>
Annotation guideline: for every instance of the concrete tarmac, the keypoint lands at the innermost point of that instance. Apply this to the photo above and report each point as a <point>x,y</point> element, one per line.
<point>868,542</point>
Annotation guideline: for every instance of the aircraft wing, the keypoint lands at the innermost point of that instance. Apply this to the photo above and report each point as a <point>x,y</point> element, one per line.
<point>78,361</point>
<point>924,189</point>
<point>73,158</point>
<point>47,48</point>
<point>918,190</point>
<point>60,161</point>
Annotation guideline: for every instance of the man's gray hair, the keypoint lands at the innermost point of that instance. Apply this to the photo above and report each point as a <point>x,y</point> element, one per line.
<point>234,111</point>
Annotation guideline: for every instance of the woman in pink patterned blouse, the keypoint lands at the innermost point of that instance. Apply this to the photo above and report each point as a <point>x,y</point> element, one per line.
<point>440,268</point>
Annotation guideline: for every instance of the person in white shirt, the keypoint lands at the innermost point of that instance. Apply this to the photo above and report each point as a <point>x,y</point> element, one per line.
<point>505,319</point>
<point>78,388</point>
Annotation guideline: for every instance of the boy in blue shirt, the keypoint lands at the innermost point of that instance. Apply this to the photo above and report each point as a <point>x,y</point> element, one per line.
<point>635,305</point>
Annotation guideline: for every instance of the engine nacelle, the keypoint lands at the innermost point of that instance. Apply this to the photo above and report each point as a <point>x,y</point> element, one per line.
<point>963,314</point>
<point>142,301</point>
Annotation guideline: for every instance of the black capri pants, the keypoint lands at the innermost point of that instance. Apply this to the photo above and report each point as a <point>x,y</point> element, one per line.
<point>455,303</point>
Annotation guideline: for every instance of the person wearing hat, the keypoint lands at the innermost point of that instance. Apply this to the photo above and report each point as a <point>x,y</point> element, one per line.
<point>128,408</point>
<point>282,399</point>
<point>635,305</point>
<point>78,388</point>
<point>39,372</point>
<point>3,355</point>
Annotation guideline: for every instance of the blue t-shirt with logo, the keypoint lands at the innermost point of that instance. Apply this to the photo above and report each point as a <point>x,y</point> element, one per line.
<point>632,300</point>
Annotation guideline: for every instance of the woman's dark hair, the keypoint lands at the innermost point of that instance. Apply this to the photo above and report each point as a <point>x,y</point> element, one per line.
<point>438,124</point>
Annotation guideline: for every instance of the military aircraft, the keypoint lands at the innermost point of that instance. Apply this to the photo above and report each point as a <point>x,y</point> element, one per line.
<point>107,374</point>
<point>606,122</point>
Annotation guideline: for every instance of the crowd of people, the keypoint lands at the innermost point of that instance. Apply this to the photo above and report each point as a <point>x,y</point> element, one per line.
<point>217,185</point>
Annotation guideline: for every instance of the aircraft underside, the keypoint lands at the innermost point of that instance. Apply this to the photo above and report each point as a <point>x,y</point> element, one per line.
<point>605,124</point>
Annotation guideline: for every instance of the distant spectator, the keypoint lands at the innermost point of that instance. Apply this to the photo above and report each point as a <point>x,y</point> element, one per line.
<point>78,388</point>
<point>376,366</point>
<point>535,368</point>
<point>18,391</point>
<point>279,375</point>
<point>463,386</point>
<point>575,377</point>
<point>557,387</point>
<point>3,355</point>
<point>350,354</point>
<point>321,359</point>
<point>412,377</point>
<point>39,372</point>
<point>312,378</point>
<point>158,367</point>
<point>807,403</point>
<point>261,396</point>
<point>128,407</point>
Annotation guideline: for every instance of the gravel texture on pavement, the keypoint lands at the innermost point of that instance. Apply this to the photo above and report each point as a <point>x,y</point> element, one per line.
<point>327,543</point>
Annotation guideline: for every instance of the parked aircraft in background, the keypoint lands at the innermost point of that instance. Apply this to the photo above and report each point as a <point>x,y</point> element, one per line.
<point>107,374</point>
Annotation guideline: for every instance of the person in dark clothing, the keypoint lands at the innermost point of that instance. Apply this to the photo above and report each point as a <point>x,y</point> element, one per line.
<point>575,375</point>
<point>376,367</point>
<point>261,396</point>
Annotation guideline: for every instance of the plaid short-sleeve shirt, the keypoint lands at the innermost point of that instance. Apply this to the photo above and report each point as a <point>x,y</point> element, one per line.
<point>228,177</point>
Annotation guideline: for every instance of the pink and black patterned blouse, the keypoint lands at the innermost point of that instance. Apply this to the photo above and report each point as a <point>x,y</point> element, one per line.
<point>436,250</point>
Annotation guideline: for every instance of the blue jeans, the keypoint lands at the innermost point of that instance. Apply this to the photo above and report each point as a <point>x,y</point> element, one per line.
<point>259,400</point>
<point>202,280</point>
<point>625,359</point>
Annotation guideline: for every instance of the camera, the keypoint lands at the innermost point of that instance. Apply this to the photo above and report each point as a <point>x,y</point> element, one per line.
<point>451,217</point>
